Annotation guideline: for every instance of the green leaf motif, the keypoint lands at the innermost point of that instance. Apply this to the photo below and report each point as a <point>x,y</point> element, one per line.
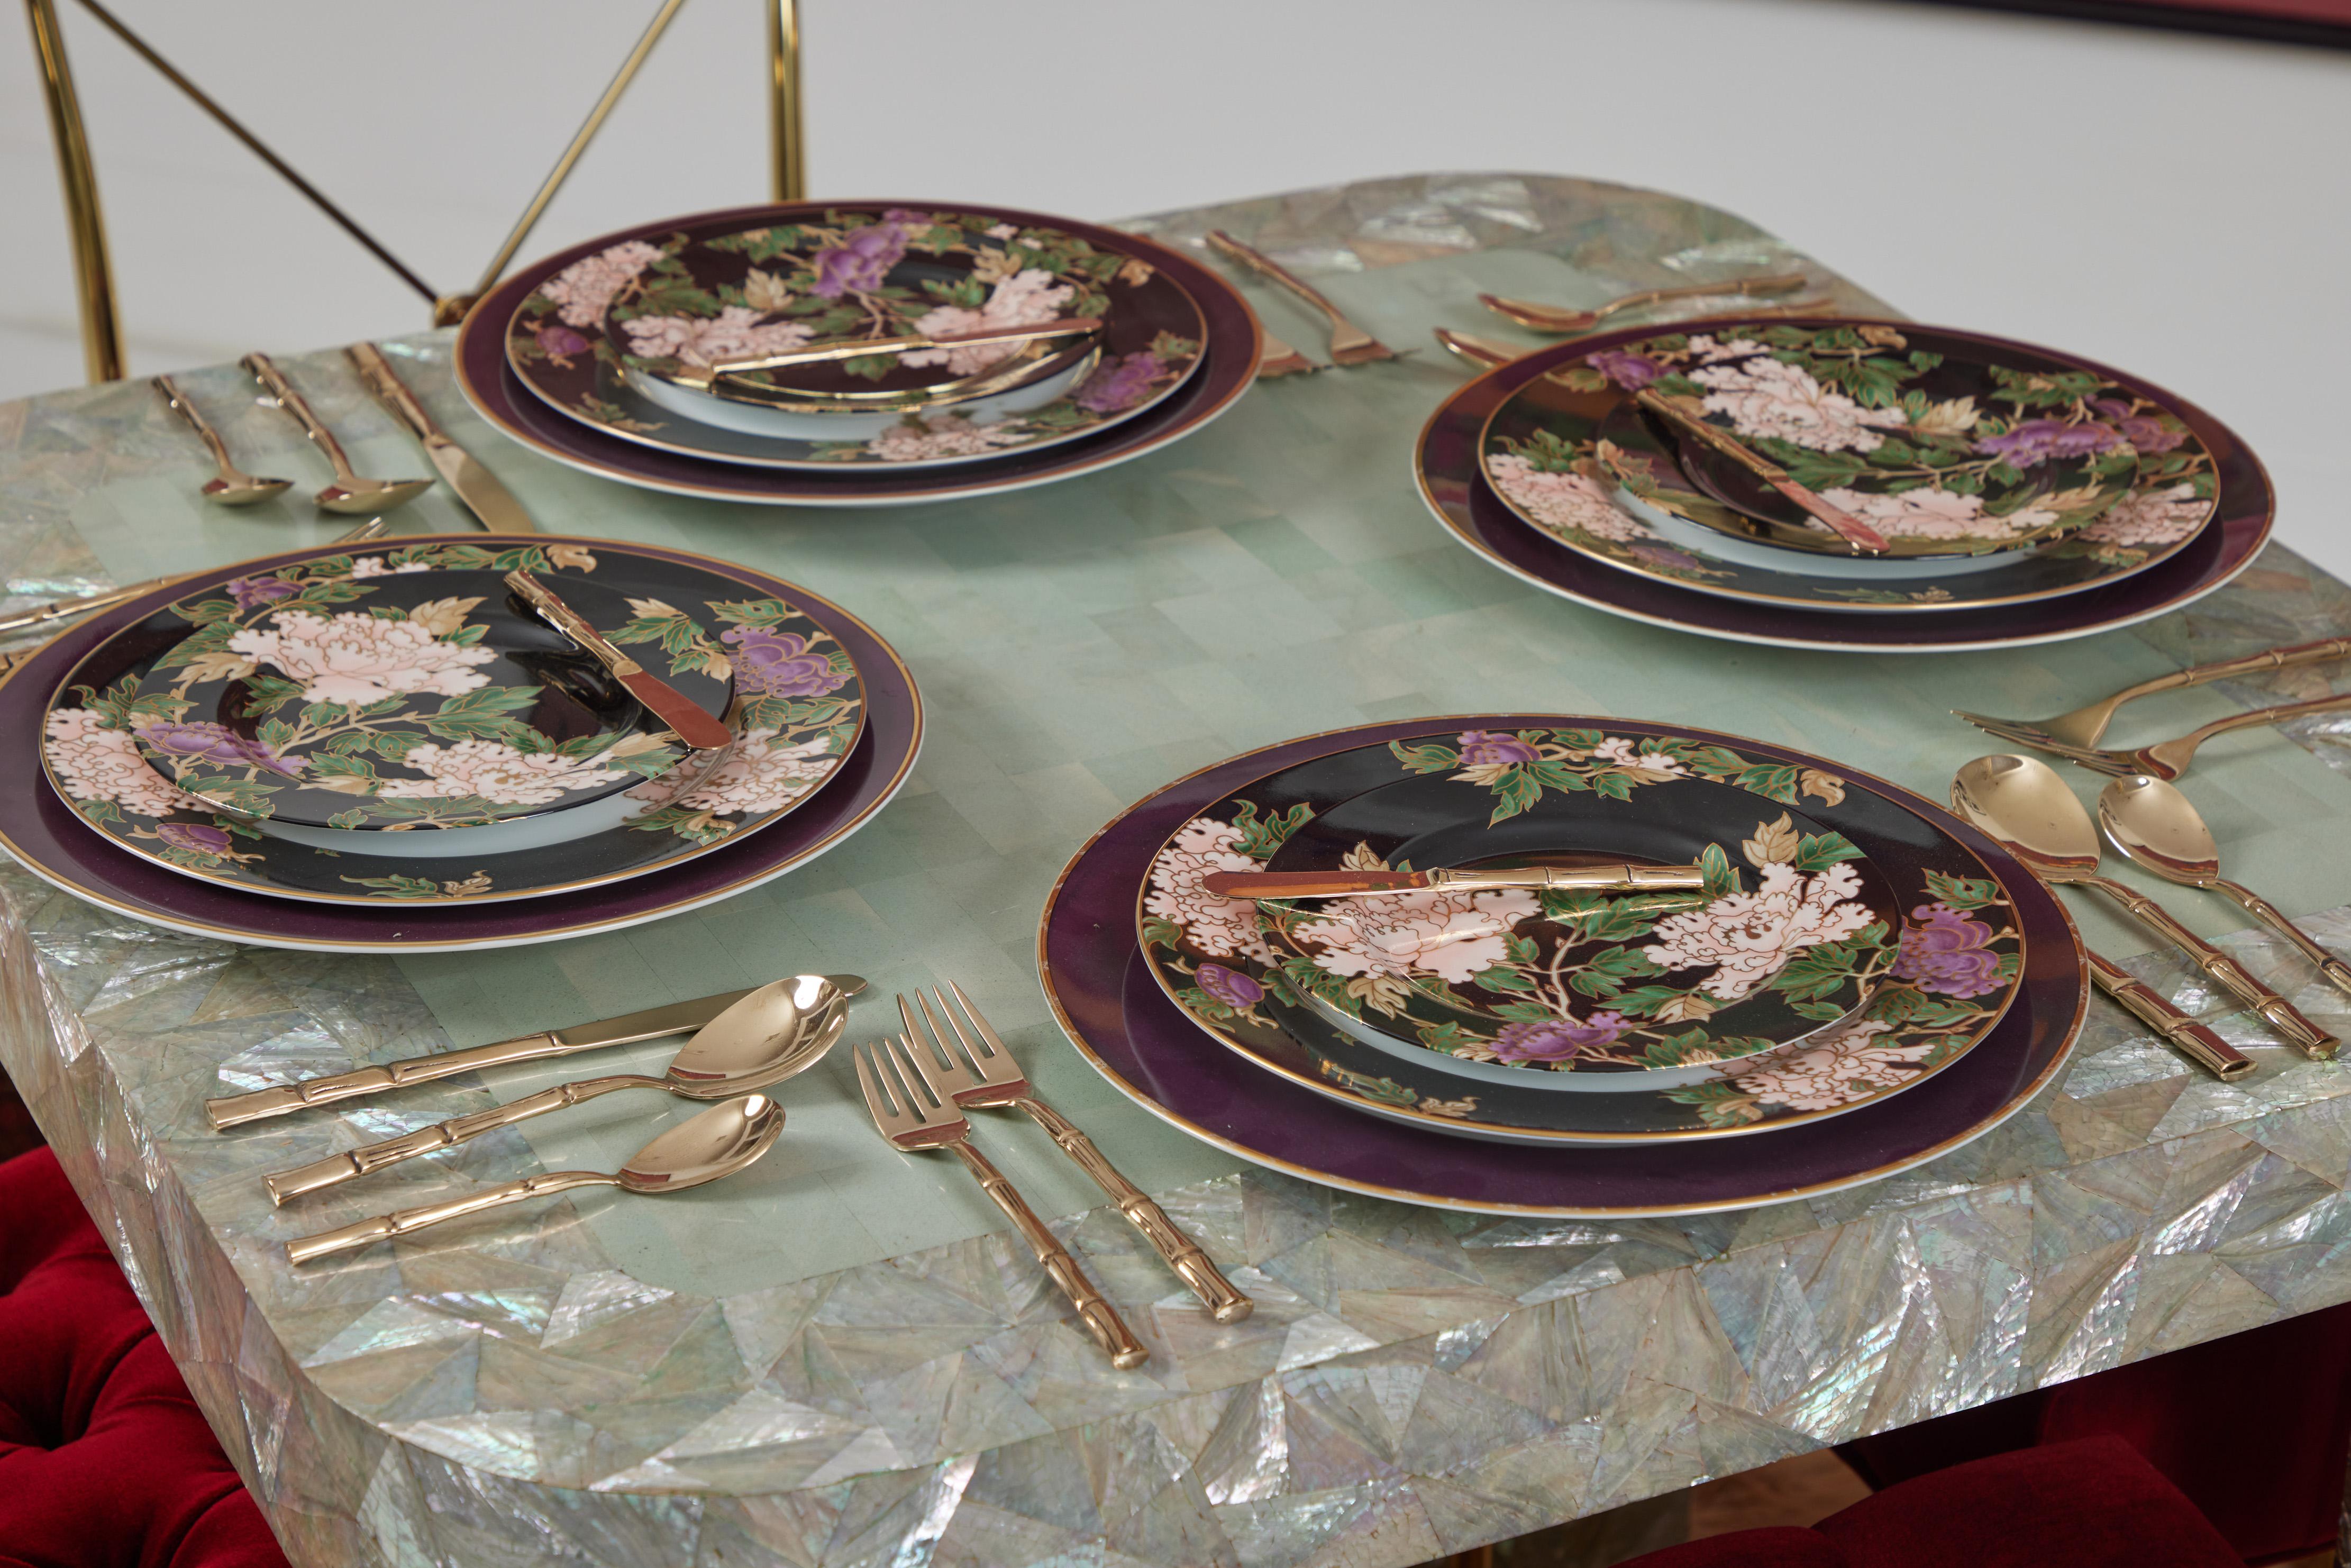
<point>482,714</point>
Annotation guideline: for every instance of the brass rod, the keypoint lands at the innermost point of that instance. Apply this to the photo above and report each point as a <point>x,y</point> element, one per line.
<point>786,114</point>
<point>579,141</point>
<point>101,323</point>
<point>254,144</point>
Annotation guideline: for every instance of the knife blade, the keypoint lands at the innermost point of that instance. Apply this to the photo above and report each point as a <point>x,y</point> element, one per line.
<point>490,502</point>
<point>1362,883</point>
<point>1863,538</point>
<point>691,724</point>
<point>651,1023</point>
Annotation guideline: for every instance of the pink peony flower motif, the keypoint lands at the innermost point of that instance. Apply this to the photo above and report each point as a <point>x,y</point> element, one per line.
<point>734,333</point>
<point>1563,503</point>
<point>1840,1069</point>
<point>98,763</point>
<point>584,290</point>
<point>496,772</point>
<point>756,776</point>
<point>1002,231</point>
<point>1027,299</point>
<point>1226,927</point>
<point>1443,932</point>
<point>373,565</point>
<point>2143,517</point>
<point>1706,350</point>
<point>1622,751</point>
<point>357,659</point>
<point>1486,748</point>
<point>1557,1040</point>
<point>1947,952</point>
<point>1771,398</point>
<point>1934,514</point>
<point>1746,937</point>
<point>917,440</point>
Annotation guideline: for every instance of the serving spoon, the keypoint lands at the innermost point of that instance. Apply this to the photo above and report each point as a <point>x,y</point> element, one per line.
<point>718,1142</point>
<point>2158,827</point>
<point>2032,811</point>
<point>783,1028</point>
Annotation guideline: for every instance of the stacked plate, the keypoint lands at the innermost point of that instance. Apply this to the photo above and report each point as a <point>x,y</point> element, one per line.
<point>856,355</point>
<point>1862,983</point>
<point>353,751</point>
<point>2020,496</point>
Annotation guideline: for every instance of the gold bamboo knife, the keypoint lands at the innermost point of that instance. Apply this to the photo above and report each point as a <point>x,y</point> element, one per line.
<point>677,1018</point>
<point>1360,883</point>
<point>702,378</point>
<point>1864,540</point>
<point>691,722</point>
<point>1542,318</point>
<point>490,502</point>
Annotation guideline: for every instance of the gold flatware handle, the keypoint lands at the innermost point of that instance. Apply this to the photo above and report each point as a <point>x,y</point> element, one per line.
<point>25,620</point>
<point>281,390</point>
<point>1257,261</point>
<point>2325,651</point>
<point>177,401</point>
<point>1739,287</point>
<point>2264,716</point>
<point>571,624</point>
<point>2280,1014</point>
<point>2337,972</point>
<point>236,1110</point>
<point>1194,1267</point>
<point>400,1222</point>
<point>375,372</point>
<point>368,1158</point>
<point>1101,1319</point>
<point>825,353</point>
<point>1841,523</point>
<point>2193,1041</point>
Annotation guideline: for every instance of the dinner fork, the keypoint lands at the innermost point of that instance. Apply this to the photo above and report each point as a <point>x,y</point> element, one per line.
<point>2165,758</point>
<point>1542,318</point>
<point>913,1114</point>
<point>1350,344</point>
<point>993,1078</point>
<point>2085,726</point>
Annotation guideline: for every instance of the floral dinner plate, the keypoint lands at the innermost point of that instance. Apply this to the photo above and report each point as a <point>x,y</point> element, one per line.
<point>1849,1002</point>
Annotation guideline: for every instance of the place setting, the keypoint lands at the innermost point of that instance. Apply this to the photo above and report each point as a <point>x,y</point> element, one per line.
<point>812,353</point>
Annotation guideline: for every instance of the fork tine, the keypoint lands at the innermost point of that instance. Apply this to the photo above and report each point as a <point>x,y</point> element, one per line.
<point>914,1064</point>
<point>995,1046</point>
<point>906,1016</point>
<point>951,1024</point>
<point>877,1103</point>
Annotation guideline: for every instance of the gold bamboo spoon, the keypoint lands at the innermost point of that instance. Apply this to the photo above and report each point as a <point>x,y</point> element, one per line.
<point>232,485</point>
<point>349,492</point>
<point>2158,827</point>
<point>718,1143</point>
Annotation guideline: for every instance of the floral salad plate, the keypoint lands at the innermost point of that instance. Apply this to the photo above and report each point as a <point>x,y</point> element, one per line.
<point>1999,473</point>
<point>1854,1001</point>
<point>604,338</point>
<point>430,741</point>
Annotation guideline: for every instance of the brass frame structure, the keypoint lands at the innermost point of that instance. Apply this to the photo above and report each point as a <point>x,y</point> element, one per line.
<point>101,325</point>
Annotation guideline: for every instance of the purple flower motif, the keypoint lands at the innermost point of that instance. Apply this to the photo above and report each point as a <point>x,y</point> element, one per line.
<point>560,343</point>
<point>912,217</point>
<point>2037,441</point>
<point>1485,747</point>
<point>1945,952</point>
<point>1663,555</point>
<point>860,262</point>
<point>1234,990</point>
<point>1119,383</point>
<point>2144,432</point>
<point>249,591</point>
<point>1631,371</point>
<point>1558,1039</point>
<point>215,743</point>
<point>197,837</point>
<point>780,664</point>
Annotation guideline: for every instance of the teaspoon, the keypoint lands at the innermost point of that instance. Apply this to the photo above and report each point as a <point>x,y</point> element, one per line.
<point>2157,827</point>
<point>718,1142</point>
<point>781,1029</point>
<point>2033,813</point>
<point>349,492</point>
<point>232,487</point>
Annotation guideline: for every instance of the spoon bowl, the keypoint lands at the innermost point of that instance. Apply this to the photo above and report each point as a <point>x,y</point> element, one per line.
<point>2030,808</point>
<point>357,495</point>
<point>234,488</point>
<point>2153,824</point>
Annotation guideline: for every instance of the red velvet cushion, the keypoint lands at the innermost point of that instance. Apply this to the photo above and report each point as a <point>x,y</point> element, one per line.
<point>105,1462</point>
<point>2091,1504</point>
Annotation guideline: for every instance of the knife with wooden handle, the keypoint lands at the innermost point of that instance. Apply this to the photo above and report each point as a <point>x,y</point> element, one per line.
<point>691,724</point>
<point>489,500</point>
<point>1360,883</point>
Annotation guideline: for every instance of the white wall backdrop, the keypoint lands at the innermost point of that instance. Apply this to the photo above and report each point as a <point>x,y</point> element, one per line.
<point>2175,204</point>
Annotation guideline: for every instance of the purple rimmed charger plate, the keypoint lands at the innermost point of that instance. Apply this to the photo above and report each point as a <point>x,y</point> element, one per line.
<point>56,845</point>
<point>1103,993</point>
<point>1445,461</point>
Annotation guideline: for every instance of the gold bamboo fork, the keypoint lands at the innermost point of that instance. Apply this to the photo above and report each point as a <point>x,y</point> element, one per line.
<point>2085,726</point>
<point>914,1115</point>
<point>2165,758</point>
<point>1350,344</point>
<point>993,1078</point>
<point>1542,318</point>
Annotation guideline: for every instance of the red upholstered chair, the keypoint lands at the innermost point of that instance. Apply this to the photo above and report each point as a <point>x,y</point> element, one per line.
<point>105,1462</point>
<point>2089,1504</point>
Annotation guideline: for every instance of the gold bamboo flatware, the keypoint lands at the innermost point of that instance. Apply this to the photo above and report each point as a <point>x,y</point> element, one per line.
<point>1859,536</point>
<point>978,1072</point>
<point>230,485</point>
<point>691,724</point>
<point>2033,813</point>
<point>2086,725</point>
<point>2165,758</point>
<point>349,492</point>
<point>1369,884</point>
<point>61,608</point>
<point>1485,353</point>
<point>1541,318</point>
<point>1278,359</point>
<point>2159,828</point>
<point>714,378</point>
<point>716,1144</point>
<point>1350,344</point>
<point>777,1032</point>
<point>810,995</point>
<point>492,504</point>
<point>914,1116</point>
